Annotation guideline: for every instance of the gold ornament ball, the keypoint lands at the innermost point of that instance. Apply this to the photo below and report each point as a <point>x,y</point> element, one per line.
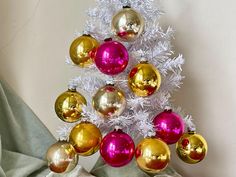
<point>68,106</point>
<point>152,155</point>
<point>85,138</point>
<point>127,24</point>
<point>144,79</point>
<point>109,101</point>
<point>62,157</point>
<point>83,49</point>
<point>191,148</point>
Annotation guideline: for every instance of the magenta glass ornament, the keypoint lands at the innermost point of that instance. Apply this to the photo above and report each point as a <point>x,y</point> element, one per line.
<point>169,126</point>
<point>111,57</point>
<point>117,148</point>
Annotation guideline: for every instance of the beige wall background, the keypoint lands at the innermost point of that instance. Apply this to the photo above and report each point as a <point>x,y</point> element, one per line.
<point>34,40</point>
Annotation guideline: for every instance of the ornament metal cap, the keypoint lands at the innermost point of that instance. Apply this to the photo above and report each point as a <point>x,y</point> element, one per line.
<point>143,60</point>
<point>168,111</point>
<point>86,35</point>
<point>151,134</point>
<point>118,128</point>
<point>63,139</point>
<point>168,108</point>
<point>191,130</point>
<point>110,82</point>
<point>108,39</point>
<point>126,3</point>
<point>126,7</point>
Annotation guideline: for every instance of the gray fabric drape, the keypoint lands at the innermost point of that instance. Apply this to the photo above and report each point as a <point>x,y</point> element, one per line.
<point>24,139</point>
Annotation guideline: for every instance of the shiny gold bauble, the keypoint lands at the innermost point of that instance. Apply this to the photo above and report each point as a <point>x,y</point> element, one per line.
<point>152,155</point>
<point>83,49</point>
<point>144,79</point>
<point>127,24</point>
<point>191,148</point>
<point>68,106</point>
<point>85,138</point>
<point>109,101</point>
<point>62,157</point>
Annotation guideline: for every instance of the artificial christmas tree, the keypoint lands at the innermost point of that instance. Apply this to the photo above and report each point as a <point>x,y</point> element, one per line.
<point>127,72</point>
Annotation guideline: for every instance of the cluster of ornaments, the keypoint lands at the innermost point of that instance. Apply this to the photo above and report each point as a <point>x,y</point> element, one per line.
<point>117,147</point>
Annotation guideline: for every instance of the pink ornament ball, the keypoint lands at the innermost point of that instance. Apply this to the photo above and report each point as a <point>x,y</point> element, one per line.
<point>111,57</point>
<point>169,126</point>
<point>117,148</point>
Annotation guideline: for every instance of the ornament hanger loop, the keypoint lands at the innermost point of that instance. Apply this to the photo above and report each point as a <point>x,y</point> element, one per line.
<point>150,134</point>
<point>168,108</point>
<point>110,81</point>
<point>86,33</point>
<point>126,3</point>
<point>191,129</point>
<point>143,60</point>
<point>72,85</point>
<point>117,127</point>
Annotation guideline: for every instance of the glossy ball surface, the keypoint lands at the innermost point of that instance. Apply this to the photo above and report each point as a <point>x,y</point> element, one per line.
<point>61,157</point>
<point>144,79</point>
<point>191,148</point>
<point>117,148</point>
<point>111,58</point>
<point>152,155</point>
<point>127,24</point>
<point>68,106</point>
<point>109,101</point>
<point>85,138</point>
<point>169,126</point>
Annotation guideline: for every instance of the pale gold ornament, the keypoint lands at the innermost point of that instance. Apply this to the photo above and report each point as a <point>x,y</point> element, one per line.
<point>191,148</point>
<point>85,138</point>
<point>68,106</point>
<point>144,79</point>
<point>127,24</point>
<point>109,101</point>
<point>83,49</point>
<point>62,157</point>
<point>152,155</point>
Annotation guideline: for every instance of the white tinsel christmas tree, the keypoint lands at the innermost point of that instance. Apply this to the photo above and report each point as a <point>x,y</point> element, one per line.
<point>142,101</point>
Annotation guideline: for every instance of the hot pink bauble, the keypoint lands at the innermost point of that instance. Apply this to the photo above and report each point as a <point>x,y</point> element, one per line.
<point>169,126</point>
<point>117,148</point>
<point>111,57</point>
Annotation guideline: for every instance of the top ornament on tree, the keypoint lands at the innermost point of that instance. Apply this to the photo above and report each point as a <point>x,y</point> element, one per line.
<point>127,24</point>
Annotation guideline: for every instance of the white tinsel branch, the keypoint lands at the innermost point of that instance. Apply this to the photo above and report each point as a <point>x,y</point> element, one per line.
<point>64,131</point>
<point>154,44</point>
